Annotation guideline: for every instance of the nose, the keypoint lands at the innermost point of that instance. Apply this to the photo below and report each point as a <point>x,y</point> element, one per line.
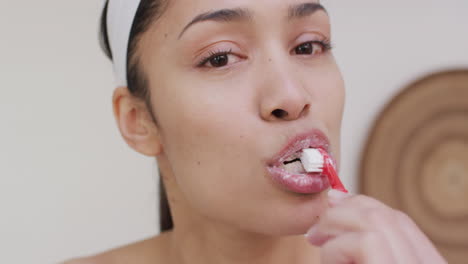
<point>284,99</point>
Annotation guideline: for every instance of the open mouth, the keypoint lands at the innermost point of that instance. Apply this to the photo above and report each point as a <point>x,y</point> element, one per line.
<point>289,158</point>
<point>293,164</point>
<point>287,169</point>
<point>292,176</point>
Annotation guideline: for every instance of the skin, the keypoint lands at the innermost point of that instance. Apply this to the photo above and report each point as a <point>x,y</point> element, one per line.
<point>216,129</point>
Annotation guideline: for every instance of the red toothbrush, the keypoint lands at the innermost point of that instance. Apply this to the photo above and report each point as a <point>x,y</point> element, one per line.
<point>319,161</point>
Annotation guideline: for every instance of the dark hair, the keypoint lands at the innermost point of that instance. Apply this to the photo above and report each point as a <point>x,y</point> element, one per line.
<point>147,13</point>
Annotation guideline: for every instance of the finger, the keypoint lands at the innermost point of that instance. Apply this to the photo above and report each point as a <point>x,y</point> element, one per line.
<point>357,200</point>
<point>405,238</point>
<point>422,246</point>
<point>336,197</point>
<point>402,228</point>
<point>344,219</point>
<point>362,248</point>
<point>359,214</point>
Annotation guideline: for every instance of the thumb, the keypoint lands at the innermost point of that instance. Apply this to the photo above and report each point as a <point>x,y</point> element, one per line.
<point>336,197</point>
<point>355,248</point>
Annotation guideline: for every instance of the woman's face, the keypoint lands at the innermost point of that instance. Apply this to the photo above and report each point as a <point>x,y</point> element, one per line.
<point>223,118</point>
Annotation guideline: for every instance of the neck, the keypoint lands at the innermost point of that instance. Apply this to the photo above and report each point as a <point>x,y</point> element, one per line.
<point>211,243</point>
<point>200,240</point>
<point>196,239</point>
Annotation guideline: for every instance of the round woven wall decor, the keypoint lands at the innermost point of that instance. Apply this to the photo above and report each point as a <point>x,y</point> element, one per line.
<point>416,159</point>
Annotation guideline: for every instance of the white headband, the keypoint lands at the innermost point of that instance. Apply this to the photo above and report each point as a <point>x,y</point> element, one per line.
<point>120,16</point>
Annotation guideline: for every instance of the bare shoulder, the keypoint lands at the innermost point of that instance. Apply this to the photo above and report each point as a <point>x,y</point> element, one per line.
<point>152,250</point>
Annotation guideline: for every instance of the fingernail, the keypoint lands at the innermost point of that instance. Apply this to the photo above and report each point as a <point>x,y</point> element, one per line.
<point>311,231</point>
<point>313,236</point>
<point>336,197</point>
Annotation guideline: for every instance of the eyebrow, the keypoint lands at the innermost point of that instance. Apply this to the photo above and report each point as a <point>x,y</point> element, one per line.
<point>304,10</point>
<point>239,14</point>
<point>223,15</point>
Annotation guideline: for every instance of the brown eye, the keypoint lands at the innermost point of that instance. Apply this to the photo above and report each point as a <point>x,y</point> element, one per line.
<point>219,60</point>
<point>305,48</point>
<point>309,48</point>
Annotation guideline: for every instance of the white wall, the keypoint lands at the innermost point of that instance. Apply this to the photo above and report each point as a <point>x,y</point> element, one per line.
<point>68,183</point>
<point>382,46</point>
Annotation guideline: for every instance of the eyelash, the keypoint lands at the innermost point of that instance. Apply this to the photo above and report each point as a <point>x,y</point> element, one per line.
<point>214,54</point>
<point>326,46</point>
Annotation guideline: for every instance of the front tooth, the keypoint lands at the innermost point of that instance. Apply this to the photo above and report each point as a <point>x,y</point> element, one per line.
<point>294,168</point>
<point>293,156</point>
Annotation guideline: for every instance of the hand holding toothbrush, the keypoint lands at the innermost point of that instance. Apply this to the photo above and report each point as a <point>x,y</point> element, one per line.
<point>357,229</point>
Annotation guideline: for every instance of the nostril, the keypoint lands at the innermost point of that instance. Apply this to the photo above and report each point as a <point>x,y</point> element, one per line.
<point>280,113</point>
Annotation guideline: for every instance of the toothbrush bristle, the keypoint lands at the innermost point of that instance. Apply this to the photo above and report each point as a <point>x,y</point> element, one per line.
<point>312,160</point>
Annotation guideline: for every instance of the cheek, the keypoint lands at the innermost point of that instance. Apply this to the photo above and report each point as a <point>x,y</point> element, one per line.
<point>334,113</point>
<point>328,96</point>
<point>193,132</point>
<point>211,137</point>
<point>207,123</point>
<point>204,137</point>
<point>335,101</point>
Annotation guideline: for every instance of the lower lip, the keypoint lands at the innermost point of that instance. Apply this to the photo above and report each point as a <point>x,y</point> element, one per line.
<point>299,183</point>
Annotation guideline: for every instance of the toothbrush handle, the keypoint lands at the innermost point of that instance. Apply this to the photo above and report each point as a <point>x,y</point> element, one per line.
<point>333,178</point>
<point>330,171</point>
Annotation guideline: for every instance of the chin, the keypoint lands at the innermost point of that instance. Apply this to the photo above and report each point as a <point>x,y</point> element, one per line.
<point>294,218</point>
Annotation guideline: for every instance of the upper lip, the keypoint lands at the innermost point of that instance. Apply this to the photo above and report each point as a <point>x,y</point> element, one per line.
<point>311,139</point>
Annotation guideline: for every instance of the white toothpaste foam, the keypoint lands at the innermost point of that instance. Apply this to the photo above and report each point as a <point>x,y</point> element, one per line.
<point>312,160</point>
